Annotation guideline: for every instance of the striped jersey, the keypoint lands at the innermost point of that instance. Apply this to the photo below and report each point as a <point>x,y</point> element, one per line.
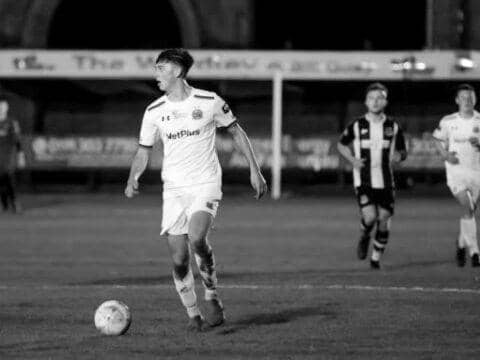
<point>456,132</point>
<point>375,143</point>
<point>187,130</point>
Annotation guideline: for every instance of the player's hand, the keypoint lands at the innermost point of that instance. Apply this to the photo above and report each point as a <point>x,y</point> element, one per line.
<point>258,183</point>
<point>132,189</point>
<point>21,161</point>
<point>475,142</point>
<point>358,163</point>
<point>396,158</point>
<point>452,158</point>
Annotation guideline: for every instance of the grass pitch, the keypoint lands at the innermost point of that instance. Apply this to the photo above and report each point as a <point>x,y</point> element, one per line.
<point>290,282</point>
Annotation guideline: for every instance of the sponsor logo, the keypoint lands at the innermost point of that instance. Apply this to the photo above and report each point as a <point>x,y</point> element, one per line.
<point>182,133</point>
<point>364,131</point>
<point>166,118</point>
<point>225,108</point>
<point>197,114</point>
<point>179,115</point>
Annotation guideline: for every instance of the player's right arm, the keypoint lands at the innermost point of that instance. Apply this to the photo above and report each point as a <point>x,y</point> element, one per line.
<point>148,136</point>
<point>440,136</point>
<point>343,146</point>
<point>139,164</point>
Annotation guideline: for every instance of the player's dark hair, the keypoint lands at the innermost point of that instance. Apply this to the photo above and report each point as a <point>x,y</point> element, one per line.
<point>464,87</point>
<point>376,86</point>
<point>177,56</point>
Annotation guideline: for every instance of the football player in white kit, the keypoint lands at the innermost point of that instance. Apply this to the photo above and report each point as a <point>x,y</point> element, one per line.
<point>185,119</point>
<point>457,138</point>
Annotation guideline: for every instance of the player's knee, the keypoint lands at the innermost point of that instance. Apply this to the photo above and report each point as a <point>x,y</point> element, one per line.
<point>200,246</point>
<point>369,219</point>
<point>384,217</point>
<point>197,238</point>
<point>180,261</point>
<point>180,270</point>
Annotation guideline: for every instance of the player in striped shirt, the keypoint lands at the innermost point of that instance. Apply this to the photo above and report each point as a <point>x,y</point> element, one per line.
<point>458,142</point>
<point>185,120</point>
<point>378,143</point>
<point>11,157</point>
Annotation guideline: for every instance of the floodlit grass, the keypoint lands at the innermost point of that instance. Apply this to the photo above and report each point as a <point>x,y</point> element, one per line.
<point>291,284</point>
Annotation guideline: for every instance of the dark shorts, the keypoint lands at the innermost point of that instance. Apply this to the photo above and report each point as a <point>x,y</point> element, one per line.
<point>384,198</point>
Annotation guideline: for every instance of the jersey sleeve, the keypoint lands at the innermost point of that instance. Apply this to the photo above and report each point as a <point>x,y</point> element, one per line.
<point>222,114</point>
<point>441,132</point>
<point>148,131</point>
<point>400,144</point>
<point>347,135</point>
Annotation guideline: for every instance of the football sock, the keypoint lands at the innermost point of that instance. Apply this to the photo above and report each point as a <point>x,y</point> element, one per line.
<point>186,290</point>
<point>366,228</point>
<point>468,231</point>
<point>206,267</point>
<point>381,240</point>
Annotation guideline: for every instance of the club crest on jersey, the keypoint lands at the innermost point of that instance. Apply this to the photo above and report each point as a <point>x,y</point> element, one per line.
<point>179,115</point>
<point>476,129</point>
<point>197,114</point>
<point>388,131</point>
<point>225,108</point>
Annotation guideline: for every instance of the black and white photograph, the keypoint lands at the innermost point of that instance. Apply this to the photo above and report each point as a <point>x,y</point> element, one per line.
<point>239,179</point>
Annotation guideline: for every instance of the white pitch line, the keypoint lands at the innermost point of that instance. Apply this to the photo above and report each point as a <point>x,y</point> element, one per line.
<point>252,287</point>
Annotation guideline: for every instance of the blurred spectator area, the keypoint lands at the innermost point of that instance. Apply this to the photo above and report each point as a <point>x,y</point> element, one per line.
<point>310,108</point>
<point>116,107</point>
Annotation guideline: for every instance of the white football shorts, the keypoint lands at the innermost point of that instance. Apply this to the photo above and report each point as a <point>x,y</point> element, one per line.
<point>181,203</point>
<point>461,179</point>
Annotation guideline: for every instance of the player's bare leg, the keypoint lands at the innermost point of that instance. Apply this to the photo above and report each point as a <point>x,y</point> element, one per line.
<point>199,226</point>
<point>368,220</point>
<point>381,237</point>
<point>184,280</point>
<point>468,229</point>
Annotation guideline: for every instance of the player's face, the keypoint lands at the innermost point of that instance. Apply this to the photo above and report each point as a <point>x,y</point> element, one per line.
<point>376,101</point>
<point>166,74</point>
<point>3,110</point>
<point>466,100</point>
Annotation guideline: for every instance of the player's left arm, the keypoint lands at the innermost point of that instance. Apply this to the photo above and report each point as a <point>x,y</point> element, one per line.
<point>21,162</point>
<point>400,153</point>
<point>243,144</point>
<point>224,118</point>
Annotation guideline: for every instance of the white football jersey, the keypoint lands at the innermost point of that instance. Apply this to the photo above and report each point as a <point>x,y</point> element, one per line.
<point>187,129</point>
<point>456,131</point>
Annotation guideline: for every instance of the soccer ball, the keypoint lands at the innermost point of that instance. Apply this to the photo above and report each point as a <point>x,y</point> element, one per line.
<point>113,318</point>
